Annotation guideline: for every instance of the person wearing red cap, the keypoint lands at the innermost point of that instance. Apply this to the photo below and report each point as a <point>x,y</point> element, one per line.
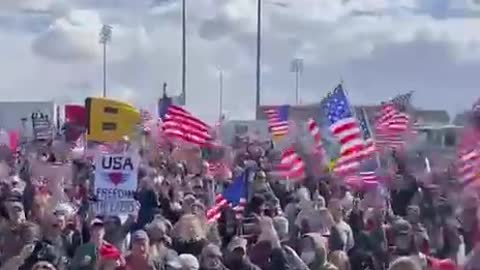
<point>87,255</point>
<point>437,264</point>
<point>110,257</point>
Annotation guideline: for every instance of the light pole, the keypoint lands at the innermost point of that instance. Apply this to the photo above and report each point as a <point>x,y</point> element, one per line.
<point>184,50</point>
<point>259,51</point>
<point>105,38</point>
<point>296,66</point>
<point>220,94</point>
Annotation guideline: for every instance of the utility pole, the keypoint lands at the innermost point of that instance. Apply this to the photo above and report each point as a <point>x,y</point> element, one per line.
<point>220,94</point>
<point>105,38</point>
<point>259,48</point>
<point>184,50</point>
<point>297,67</point>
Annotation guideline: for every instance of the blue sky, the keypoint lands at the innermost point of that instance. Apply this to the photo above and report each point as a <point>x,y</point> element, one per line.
<point>49,50</point>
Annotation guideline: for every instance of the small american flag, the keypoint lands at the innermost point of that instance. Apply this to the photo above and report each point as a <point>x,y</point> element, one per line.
<point>391,128</point>
<point>278,121</point>
<point>402,102</point>
<point>345,128</point>
<point>181,124</point>
<point>291,165</point>
<point>364,178</point>
<point>216,168</point>
<point>370,148</point>
<point>234,196</point>
<point>317,138</point>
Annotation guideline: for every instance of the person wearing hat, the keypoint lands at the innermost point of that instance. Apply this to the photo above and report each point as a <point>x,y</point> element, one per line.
<point>188,262</point>
<point>140,258</point>
<point>236,258</point>
<point>86,255</point>
<point>404,242</point>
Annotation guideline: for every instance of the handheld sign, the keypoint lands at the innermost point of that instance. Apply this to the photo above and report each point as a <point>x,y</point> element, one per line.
<point>116,183</point>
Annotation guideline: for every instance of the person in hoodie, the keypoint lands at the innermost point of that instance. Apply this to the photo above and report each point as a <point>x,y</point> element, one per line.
<point>236,257</point>
<point>313,252</point>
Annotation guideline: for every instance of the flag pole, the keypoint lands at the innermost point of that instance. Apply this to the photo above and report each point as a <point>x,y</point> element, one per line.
<point>367,122</point>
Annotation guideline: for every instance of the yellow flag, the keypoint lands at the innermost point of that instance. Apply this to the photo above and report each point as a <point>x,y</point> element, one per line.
<point>110,120</point>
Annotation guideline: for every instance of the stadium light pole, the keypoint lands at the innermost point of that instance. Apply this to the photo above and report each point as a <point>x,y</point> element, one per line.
<point>220,93</point>
<point>296,67</point>
<point>105,38</point>
<point>184,50</point>
<point>259,51</point>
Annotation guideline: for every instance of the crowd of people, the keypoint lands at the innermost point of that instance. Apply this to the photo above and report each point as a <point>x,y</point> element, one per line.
<point>316,223</point>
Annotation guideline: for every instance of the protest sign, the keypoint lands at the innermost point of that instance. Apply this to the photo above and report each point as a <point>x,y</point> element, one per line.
<point>116,183</point>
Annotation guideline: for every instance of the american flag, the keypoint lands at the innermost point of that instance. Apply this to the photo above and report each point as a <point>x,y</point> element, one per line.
<point>468,163</point>
<point>146,119</point>
<point>181,124</point>
<point>291,164</point>
<point>370,148</point>
<point>278,121</point>
<point>317,138</point>
<point>363,178</point>
<point>216,168</point>
<point>234,196</point>
<point>402,102</point>
<point>345,128</point>
<point>468,166</point>
<point>391,127</point>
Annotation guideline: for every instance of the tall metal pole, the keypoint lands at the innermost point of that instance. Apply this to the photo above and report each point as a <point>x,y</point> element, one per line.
<point>184,51</point>
<point>259,48</point>
<point>297,67</point>
<point>105,37</point>
<point>296,87</point>
<point>104,69</point>
<point>220,94</point>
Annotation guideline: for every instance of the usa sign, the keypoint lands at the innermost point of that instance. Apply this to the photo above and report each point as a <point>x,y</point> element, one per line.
<point>116,183</point>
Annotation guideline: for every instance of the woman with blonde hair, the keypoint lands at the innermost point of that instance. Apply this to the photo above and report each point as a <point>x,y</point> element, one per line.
<point>340,260</point>
<point>405,263</point>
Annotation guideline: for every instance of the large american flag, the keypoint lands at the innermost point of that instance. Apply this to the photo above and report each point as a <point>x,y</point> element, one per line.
<point>291,164</point>
<point>234,196</point>
<point>345,128</point>
<point>278,121</point>
<point>181,124</point>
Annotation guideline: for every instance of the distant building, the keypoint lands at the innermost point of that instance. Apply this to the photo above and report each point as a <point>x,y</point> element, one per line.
<point>17,115</point>
<point>303,112</point>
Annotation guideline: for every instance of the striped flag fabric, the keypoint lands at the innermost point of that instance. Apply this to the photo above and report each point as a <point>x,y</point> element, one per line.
<point>370,148</point>
<point>345,128</point>
<point>277,118</point>
<point>234,196</point>
<point>468,166</point>
<point>216,168</point>
<point>363,179</point>
<point>291,164</point>
<point>468,162</point>
<point>391,128</point>
<point>317,139</point>
<point>180,124</point>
